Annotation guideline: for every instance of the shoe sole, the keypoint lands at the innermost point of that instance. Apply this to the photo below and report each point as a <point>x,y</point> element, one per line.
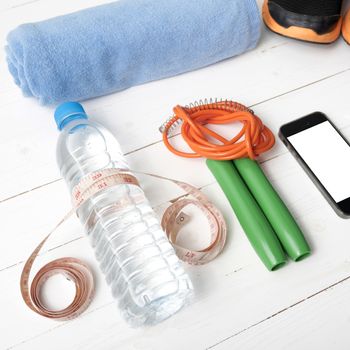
<point>346,28</point>
<point>304,34</point>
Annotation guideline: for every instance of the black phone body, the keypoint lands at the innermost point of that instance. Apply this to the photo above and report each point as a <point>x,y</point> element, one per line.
<point>324,153</point>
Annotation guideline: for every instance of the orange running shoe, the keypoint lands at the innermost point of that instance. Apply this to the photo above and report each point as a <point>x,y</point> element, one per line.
<point>317,21</point>
<point>346,27</point>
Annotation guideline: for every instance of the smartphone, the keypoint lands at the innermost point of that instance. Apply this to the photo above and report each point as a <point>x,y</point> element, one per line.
<point>324,153</point>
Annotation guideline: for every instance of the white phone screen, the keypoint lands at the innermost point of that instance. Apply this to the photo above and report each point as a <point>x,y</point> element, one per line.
<point>327,155</point>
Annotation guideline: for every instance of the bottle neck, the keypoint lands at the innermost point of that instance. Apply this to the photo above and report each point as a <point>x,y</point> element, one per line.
<point>72,119</point>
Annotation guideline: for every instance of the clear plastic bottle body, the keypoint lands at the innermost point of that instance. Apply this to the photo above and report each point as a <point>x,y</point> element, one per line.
<point>139,263</point>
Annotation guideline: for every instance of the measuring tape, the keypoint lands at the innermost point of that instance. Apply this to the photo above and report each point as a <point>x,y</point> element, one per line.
<point>77,271</point>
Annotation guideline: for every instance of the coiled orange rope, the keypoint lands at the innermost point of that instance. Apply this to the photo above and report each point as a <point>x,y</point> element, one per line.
<point>253,139</point>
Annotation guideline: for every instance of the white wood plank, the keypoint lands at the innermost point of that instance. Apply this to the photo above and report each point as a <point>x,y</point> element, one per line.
<point>319,322</point>
<point>43,9</point>
<point>134,115</point>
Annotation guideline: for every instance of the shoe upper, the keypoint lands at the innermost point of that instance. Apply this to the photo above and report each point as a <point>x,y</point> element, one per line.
<point>311,7</point>
<point>319,15</point>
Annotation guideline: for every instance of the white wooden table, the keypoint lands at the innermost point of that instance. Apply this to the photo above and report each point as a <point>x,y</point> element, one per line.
<point>238,304</point>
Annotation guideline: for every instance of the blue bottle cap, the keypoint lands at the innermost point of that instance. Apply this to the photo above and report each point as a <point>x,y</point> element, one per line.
<point>68,111</point>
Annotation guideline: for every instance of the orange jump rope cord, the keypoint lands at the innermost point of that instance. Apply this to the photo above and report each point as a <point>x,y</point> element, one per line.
<point>253,139</point>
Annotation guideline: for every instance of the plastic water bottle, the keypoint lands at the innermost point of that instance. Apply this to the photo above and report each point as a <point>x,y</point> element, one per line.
<point>139,263</point>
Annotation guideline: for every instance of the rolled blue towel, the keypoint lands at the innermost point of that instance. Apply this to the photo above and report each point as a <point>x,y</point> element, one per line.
<point>111,47</point>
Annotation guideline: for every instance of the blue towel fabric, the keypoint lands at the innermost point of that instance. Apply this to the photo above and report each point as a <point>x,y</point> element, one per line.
<point>111,47</point>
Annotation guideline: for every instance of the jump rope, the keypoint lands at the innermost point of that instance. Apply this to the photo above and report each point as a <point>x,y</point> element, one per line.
<point>267,222</point>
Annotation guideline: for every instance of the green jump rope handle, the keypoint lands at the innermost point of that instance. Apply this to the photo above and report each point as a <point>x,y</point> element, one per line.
<point>283,223</point>
<point>253,221</point>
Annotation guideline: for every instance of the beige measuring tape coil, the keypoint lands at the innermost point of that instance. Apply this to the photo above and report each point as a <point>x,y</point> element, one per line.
<point>78,272</point>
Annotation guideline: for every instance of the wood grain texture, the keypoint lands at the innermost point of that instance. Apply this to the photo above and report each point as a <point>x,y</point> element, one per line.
<point>238,303</point>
